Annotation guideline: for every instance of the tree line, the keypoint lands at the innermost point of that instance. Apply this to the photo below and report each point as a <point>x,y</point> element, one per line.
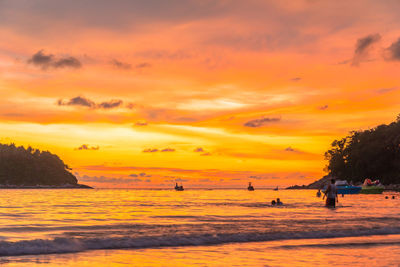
<point>373,153</point>
<point>31,167</point>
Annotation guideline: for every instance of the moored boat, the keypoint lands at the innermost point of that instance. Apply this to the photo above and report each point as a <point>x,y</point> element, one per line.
<point>372,190</point>
<point>179,188</point>
<point>348,190</point>
<point>344,188</point>
<point>372,187</point>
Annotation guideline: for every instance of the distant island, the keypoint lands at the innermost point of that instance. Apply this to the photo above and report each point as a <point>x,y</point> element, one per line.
<point>373,153</point>
<point>32,168</point>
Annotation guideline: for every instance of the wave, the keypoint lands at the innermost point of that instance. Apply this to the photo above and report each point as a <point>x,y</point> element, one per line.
<point>340,245</point>
<point>69,245</point>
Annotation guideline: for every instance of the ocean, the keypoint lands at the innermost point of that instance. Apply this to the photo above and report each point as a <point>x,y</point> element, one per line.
<point>132,227</point>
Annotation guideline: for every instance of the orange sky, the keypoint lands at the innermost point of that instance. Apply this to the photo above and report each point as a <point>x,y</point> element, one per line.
<point>211,93</point>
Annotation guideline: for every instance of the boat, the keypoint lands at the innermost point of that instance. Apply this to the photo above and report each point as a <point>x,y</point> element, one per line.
<point>276,189</point>
<point>179,187</point>
<point>344,188</point>
<point>372,187</point>
<point>250,187</point>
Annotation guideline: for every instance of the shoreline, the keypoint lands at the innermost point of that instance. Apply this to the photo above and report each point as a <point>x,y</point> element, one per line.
<point>77,186</point>
<point>388,188</point>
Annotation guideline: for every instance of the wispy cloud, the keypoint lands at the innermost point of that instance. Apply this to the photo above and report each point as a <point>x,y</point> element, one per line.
<point>85,102</point>
<point>324,107</point>
<point>260,122</point>
<point>143,65</point>
<point>110,104</point>
<point>141,123</point>
<point>45,61</point>
<point>108,180</point>
<point>393,51</point>
<point>142,174</point>
<point>168,150</point>
<point>363,46</point>
<point>150,150</point>
<point>87,147</point>
<point>386,90</point>
<point>121,65</point>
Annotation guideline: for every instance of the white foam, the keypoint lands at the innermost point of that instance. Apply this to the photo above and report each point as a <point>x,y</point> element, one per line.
<point>67,245</point>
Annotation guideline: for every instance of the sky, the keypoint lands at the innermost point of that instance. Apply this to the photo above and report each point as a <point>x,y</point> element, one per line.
<point>212,93</point>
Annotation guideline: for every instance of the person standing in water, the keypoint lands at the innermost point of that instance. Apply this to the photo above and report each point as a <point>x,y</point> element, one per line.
<point>319,193</point>
<point>331,194</point>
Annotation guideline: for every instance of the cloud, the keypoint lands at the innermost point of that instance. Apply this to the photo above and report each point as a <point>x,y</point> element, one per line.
<point>199,149</point>
<point>130,105</point>
<point>142,174</point>
<point>85,102</point>
<point>45,61</point>
<point>126,66</point>
<point>77,101</point>
<point>110,104</point>
<point>260,122</point>
<point>153,150</point>
<point>363,46</point>
<point>296,79</point>
<point>324,107</point>
<point>294,150</point>
<point>343,62</point>
<point>163,54</point>
<point>121,65</point>
<point>87,147</point>
<point>393,51</point>
<point>141,123</point>
<point>143,65</point>
<point>206,154</point>
<point>385,90</point>
<point>108,180</point>
<point>168,150</point>
<point>70,62</point>
<point>257,177</point>
<point>150,150</point>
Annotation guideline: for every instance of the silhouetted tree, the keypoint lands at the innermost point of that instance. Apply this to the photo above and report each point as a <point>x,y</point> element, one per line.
<point>373,153</point>
<point>30,167</point>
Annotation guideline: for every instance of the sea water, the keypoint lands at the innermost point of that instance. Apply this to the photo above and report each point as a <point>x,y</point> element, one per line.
<point>127,227</point>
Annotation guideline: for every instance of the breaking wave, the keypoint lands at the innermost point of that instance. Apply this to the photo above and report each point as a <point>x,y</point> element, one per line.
<point>73,244</point>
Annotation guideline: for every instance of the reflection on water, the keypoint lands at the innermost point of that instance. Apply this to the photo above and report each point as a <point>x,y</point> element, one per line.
<point>207,227</point>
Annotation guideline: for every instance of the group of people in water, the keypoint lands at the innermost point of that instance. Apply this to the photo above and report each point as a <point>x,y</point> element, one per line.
<point>278,202</point>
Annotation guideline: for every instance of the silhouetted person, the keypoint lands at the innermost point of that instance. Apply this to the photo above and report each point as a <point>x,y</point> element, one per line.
<point>319,193</point>
<point>250,187</point>
<point>278,202</point>
<point>331,194</point>
<point>273,202</point>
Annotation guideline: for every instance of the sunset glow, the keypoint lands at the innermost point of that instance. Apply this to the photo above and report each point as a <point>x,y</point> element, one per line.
<point>208,93</point>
